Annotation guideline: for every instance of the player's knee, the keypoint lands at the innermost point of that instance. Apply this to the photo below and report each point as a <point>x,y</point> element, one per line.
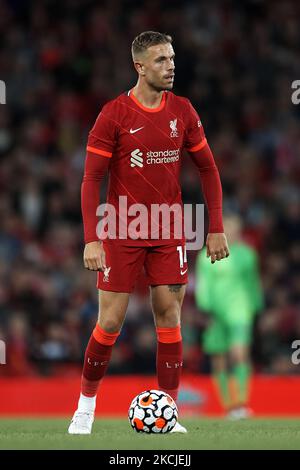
<point>168,317</point>
<point>110,325</point>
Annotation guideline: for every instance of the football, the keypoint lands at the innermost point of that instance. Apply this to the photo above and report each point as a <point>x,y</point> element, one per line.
<point>153,411</point>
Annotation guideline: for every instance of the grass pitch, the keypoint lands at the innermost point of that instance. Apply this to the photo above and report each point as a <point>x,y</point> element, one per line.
<point>116,434</point>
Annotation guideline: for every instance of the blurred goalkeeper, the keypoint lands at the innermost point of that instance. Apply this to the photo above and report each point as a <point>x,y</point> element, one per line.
<point>230,292</point>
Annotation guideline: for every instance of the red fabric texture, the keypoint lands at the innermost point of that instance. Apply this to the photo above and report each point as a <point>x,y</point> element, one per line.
<point>169,366</point>
<point>169,335</point>
<point>211,186</point>
<point>95,169</point>
<point>103,337</point>
<point>96,361</point>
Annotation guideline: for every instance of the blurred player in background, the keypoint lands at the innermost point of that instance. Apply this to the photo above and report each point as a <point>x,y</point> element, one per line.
<point>139,138</point>
<point>230,292</point>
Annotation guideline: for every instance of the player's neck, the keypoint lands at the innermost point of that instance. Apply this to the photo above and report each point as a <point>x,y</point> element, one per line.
<point>147,96</point>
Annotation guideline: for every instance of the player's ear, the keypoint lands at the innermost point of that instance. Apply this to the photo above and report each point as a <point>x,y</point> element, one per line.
<point>140,68</point>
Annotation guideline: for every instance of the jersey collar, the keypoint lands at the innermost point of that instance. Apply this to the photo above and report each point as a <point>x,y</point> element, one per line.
<point>144,108</point>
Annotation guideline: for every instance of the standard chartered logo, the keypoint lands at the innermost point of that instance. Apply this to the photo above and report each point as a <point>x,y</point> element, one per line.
<point>153,158</point>
<point>137,158</point>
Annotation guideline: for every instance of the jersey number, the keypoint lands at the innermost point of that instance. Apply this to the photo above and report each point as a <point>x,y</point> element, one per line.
<point>182,255</point>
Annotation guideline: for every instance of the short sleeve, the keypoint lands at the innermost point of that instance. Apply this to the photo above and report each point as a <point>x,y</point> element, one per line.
<point>194,133</point>
<point>102,137</point>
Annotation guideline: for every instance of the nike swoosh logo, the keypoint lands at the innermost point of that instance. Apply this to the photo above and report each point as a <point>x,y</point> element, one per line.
<point>183,272</point>
<point>133,131</point>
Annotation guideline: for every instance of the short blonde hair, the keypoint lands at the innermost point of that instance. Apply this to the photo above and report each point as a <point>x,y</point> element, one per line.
<point>147,39</point>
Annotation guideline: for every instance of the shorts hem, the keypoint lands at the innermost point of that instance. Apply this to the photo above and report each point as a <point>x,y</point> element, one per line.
<point>114,289</point>
<point>168,283</point>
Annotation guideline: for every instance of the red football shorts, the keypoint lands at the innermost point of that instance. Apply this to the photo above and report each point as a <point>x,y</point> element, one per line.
<point>164,265</point>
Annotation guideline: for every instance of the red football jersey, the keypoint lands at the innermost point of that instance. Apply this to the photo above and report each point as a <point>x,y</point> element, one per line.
<point>145,147</point>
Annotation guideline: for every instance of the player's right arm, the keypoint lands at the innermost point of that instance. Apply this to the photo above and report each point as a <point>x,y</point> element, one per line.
<point>101,142</point>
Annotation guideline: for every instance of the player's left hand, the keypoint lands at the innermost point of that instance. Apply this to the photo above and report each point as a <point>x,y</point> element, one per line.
<point>216,246</point>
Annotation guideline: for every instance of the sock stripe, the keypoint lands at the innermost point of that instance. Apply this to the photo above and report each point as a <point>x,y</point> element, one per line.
<point>169,335</point>
<point>103,337</point>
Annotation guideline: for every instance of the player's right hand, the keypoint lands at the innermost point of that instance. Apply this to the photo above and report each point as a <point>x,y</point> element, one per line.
<point>94,256</point>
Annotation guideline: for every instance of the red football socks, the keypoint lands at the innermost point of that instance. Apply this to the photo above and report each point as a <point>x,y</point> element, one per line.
<point>96,360</point>
<point>168,362</point>
<point>169,359</point>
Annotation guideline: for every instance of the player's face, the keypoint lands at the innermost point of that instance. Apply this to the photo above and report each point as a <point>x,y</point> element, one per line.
<point>158,66</point>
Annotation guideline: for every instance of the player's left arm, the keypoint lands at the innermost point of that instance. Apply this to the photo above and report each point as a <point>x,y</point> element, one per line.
<point>201,155</point>
<point>216,242</point>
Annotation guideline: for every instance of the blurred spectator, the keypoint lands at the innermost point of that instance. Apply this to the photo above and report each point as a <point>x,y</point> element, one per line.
<point>17,348</point>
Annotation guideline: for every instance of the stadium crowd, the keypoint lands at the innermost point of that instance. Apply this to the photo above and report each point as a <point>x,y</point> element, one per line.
<point>61,61</point>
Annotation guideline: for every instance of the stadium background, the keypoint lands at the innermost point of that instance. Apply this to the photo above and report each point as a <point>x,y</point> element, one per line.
<point>61,61</point>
